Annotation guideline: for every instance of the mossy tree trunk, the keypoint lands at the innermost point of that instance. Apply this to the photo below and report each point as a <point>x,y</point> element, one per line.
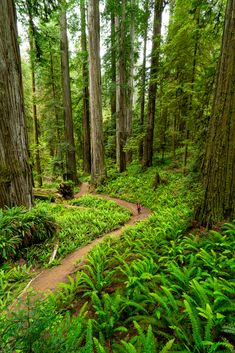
<point>219,162</point>
<point>15,171</point>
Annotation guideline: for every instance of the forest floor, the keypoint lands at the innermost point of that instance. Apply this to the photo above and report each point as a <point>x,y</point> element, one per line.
<point>48,279</point>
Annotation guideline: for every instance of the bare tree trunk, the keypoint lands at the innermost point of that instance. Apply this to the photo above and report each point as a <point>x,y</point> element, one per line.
<point>113,77</point>
<point>121,95</point>
<point>143,81</point>
<point>15,171</point>
<point>35,116</point>
<point>130,93</point>
<point>148,142</point>
<point>86,112</point>
<point>218,167</point>
<point>71,171</point>
<point>58,132</point>
<point>98,173</point>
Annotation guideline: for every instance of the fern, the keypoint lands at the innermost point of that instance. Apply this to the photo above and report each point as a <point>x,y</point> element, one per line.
<point>195,322</point>
<point>98,346</point>
<point>167,346</point>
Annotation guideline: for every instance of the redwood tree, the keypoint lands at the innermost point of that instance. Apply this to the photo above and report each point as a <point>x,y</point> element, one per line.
<point>219,162</point>
<point>97,142</point>
<point>71,172</point>
<point>15,171</point>
<point>156,39</point>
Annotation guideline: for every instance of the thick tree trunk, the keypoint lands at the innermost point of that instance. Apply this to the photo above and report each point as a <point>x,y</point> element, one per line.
<point>148,142</point>
<point>97,142</point>
<point>71,171</point>
<point>113,102</point>
<point>219,162</point>
<point>15,171</point>
<point>130,90</point>
<point>33,55</point>
<point>121,134</point>
<point>143,81</point>
<point>86,112</point>
<point>58,130</point>
<point>35,115</point>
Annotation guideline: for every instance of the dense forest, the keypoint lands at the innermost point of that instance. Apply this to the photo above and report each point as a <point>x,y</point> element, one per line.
<point>117,176</point>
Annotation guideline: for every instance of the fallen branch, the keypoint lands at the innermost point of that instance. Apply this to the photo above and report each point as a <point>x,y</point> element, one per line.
<point>53,255</point>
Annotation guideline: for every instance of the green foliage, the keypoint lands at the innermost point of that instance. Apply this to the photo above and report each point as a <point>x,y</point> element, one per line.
<point>20,228</point>
<point>155,289</point>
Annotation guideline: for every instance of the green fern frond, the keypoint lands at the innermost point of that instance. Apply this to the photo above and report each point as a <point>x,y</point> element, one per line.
<point>195,322</point>
<point>167,346</point>
<point>98,346</point>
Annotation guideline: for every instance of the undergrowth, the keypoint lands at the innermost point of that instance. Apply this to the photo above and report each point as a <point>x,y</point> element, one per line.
<point>28,236</point>
<point>158,288</point>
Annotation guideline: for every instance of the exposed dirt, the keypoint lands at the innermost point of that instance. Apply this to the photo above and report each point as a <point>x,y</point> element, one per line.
<point>49,279</point>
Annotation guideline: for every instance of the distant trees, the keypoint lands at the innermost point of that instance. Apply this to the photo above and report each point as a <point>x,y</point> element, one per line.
<point>219,162</point>
<point>15,171</point>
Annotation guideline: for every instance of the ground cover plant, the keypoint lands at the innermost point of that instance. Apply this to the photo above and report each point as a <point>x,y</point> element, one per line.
<point>81,222</point>
<point>159,288</point>
<point>28,237</point>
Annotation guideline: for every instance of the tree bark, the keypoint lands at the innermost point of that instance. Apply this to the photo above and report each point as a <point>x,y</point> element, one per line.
<point>58,130</point>
<point>121,110</point>
<point>98,173</point>
<point>143,81</point>
<point>156,40</point>
<point>218,167</point>
<point>15,171</point>
<point>113,102</point>
<point>130,90</point>
<point>86,112</point>
<point>71,171</point>
<point>35,115</point>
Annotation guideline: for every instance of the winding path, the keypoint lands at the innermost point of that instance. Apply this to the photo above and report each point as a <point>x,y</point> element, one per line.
<point>49,279</point>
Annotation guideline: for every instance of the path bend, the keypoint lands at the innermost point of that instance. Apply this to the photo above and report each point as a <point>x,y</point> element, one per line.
<point>49,279</point>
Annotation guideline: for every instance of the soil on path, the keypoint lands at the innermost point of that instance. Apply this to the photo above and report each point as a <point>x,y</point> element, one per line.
<point>49,279</point>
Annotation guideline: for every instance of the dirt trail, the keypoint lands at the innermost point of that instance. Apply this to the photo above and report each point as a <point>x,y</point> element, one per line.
<point>49,279</point>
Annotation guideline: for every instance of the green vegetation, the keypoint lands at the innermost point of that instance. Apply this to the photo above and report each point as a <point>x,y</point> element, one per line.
<point>159,288</point>
<point>30,235</point>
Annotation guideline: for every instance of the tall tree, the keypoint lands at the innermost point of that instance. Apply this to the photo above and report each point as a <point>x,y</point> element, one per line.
<point>85,76</point>
<point>33,55</point>
<point>218,169</point>
<point>156,40</point>
<point>15,171</point>
<point>71,172</point>
<point>146,13</point>
<point>97,145</point>
<point>121,91</point>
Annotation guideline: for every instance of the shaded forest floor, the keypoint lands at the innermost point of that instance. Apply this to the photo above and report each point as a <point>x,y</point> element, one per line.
<point>162,286</point>
<point>50,278</point>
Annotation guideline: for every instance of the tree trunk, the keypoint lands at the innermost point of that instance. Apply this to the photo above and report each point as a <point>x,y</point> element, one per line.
<point>156,40</point>
<point>97,142</point>
<point>35,116</point>
<point>143,81</point>
<point>130,93</point>
<point>218,167</point>
<point>86,112</point>
<point>58,132</point>
<point>121,94</point>
<point>113,102</point>
<point>15,171</point>
<point>71,171</point>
